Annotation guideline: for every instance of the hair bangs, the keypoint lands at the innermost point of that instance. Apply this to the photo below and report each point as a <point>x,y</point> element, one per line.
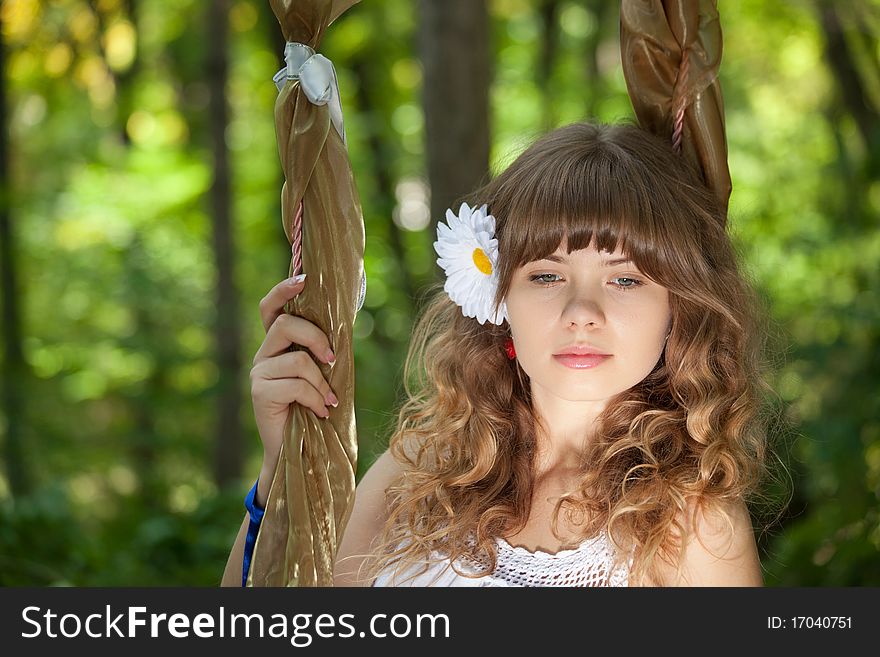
<point>604,197</point>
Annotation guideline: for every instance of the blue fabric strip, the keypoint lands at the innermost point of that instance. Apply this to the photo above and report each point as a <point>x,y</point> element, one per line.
<point>256,517</point>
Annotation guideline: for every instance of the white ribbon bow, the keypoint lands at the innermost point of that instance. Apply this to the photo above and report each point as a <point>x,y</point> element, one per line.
<point>317,78</point>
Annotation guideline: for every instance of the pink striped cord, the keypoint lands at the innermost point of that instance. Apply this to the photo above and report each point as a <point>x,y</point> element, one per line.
<point>296,240</point>
<point>678,125</point>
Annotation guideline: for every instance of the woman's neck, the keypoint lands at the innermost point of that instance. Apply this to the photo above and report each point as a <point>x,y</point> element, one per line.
<point>563,430</point>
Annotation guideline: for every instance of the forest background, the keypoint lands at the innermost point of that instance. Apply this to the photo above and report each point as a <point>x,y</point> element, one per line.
<point>140,227</point>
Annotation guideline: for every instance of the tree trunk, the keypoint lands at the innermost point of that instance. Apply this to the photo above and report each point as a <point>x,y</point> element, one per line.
<point>144,439</point>
<point>596,85</point>
<point>15,371</point>
<point>549,15</point>
<point>380,160</point>
<point>843,65</point>
<point>453,43</point>
<point>229,449</point>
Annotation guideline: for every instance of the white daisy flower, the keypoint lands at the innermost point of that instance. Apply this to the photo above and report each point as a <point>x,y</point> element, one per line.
<point>468,253</point>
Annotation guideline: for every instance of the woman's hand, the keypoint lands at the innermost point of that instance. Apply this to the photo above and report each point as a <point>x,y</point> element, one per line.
<point>280,377</point>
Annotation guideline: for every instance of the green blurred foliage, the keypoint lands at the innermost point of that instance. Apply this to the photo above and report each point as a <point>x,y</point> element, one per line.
<point>110,170</point>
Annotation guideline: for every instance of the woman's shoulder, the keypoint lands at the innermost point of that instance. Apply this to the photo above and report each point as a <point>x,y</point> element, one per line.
<point>719,547</point>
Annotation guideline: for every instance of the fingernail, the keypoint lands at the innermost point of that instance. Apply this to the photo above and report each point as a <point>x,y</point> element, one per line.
<point>296,280</point>
<point>330,357</point>
<point>331,400</point>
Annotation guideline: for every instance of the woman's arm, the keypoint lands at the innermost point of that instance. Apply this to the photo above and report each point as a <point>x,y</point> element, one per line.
<point>367,519</point>
<point>244,544</point>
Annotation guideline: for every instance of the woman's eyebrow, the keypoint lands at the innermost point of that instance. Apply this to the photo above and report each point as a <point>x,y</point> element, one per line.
<point>606,263</point>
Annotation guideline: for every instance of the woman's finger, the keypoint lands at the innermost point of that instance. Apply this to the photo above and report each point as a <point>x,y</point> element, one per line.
<point>296,364</point>
<point>292,329</point>
<point>272,305</point>
<point>289,391</point>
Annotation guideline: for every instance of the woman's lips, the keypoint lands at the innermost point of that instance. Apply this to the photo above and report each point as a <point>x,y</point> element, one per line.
<point>581,362</point>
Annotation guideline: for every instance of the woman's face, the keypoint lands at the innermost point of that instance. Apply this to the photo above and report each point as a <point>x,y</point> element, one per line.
<point>586,300</point>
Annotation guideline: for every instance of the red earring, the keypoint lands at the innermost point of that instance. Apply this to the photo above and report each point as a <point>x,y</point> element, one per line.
<point>508,347</point>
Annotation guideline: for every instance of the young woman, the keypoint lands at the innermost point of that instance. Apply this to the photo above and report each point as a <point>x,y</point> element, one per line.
<point>585,393</point>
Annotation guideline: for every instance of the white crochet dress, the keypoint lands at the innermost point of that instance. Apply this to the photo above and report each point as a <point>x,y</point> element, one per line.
<point>590,564</point>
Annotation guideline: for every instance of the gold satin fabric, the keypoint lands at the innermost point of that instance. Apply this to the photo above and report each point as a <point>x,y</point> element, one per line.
<point>654,35</point>
<point>312,492</point>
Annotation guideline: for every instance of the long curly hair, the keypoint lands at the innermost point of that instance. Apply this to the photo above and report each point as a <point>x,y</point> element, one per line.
<point>692,432</point>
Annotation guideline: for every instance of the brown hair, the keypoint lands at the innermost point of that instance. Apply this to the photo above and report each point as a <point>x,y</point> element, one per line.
<point>692,432</point>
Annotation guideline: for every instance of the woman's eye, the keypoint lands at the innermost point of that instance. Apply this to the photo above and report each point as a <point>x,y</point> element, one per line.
<point>542,278</point>
<point>628,283</point>
<point>620,282</point>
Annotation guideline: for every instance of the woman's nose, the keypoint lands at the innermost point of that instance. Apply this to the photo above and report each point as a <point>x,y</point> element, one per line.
<point>583,308</point>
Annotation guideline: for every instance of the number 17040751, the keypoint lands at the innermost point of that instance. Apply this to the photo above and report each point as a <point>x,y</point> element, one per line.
<point>809,622</point>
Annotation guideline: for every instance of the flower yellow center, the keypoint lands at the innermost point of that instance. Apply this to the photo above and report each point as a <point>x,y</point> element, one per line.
<point>481,260</point>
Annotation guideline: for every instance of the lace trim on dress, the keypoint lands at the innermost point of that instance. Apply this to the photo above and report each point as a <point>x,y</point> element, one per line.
<point>541,554</point>
<point>589,564</point>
